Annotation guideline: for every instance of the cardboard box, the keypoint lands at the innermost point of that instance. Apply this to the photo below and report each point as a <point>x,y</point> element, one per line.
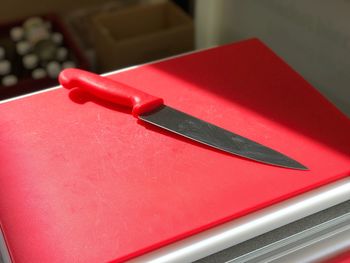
<point>17,9</point>
<point>140,34</point>
<point>79,22</point>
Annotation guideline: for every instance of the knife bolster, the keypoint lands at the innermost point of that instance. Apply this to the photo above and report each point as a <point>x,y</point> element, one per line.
<point>145,104</point>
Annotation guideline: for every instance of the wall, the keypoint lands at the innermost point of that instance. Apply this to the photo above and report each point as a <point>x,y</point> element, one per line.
<point>312,36</point>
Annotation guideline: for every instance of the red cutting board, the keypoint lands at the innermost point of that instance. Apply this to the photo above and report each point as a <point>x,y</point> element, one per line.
<point>86,182</point>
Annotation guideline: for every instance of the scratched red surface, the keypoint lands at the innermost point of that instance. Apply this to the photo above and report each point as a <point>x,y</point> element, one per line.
<point>86,182</point>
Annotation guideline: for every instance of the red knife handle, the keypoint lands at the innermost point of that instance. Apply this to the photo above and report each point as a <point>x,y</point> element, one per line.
<point>109,90</point>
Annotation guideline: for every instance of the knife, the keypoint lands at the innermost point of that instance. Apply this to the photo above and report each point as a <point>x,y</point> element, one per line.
<point>152,110</point>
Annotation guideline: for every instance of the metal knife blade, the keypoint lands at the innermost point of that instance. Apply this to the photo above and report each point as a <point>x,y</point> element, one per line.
<point>198,130</point>
<point>152,110</point>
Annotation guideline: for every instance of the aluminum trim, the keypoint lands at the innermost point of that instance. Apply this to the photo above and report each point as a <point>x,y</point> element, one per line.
<point>237,231</point>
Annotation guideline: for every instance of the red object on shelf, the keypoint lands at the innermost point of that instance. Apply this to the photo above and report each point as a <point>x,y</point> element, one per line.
<point>82,181</point>
<point>343,257</point>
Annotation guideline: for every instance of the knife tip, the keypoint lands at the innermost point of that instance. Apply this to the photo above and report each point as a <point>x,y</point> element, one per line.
<point>302,168</point>
<point>297,166</point>
<point>289,163</point>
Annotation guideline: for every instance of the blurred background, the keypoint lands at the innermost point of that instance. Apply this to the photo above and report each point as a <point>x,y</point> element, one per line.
<point>38,40</point>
